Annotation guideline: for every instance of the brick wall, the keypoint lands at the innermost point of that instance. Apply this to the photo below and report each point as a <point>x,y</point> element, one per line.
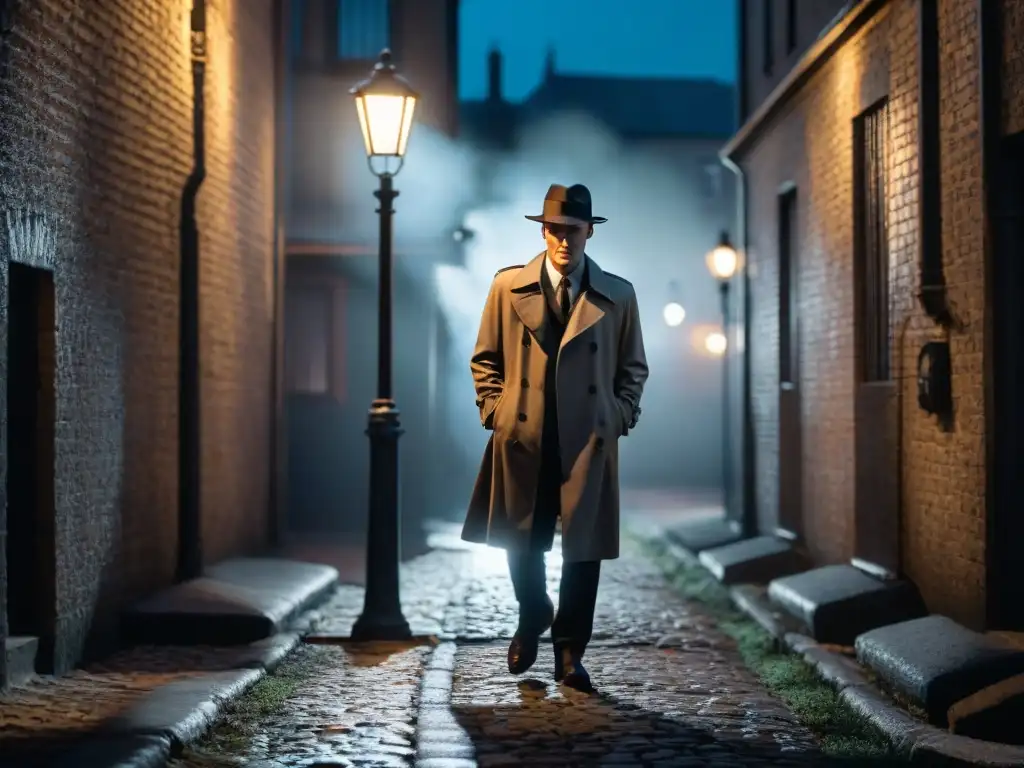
<point>96,132</point>
<point>811,145</point>
<point>812,16</point>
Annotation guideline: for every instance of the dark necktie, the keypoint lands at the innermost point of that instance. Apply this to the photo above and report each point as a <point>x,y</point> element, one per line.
<point>562,296</point>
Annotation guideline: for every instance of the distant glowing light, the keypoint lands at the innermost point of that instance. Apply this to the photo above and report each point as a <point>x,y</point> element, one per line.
<point>674,314</point>
<point>716,343</point>
<point>723,260</point>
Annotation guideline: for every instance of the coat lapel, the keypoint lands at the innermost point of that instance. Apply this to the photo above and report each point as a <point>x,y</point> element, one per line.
<point>528,298</point>
<point>592,304</point>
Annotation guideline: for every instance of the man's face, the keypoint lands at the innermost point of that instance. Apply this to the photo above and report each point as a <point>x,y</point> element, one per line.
<point>565,244</point>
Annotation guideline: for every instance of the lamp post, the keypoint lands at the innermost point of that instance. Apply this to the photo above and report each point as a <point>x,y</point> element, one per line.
<point>385,104</point>
<point>723,261</point>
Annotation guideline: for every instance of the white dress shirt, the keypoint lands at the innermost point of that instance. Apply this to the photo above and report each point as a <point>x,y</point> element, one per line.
<point>575,279</point>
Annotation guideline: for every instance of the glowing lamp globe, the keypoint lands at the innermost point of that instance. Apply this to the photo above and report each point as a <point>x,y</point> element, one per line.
<point>715,343</point>
<point>385,103</point>
<point>723,260</point>
<point>674,314</point>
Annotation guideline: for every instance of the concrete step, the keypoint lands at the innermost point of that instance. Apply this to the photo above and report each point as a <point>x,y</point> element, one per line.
<point>947,669</point>
<point>21,658</point>
<point>705,533</point>
<point>839,602</point>
<point>238,601</point>
<point>757,560</point>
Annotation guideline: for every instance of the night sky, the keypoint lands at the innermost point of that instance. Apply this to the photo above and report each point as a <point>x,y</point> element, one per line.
<point>671,38</point>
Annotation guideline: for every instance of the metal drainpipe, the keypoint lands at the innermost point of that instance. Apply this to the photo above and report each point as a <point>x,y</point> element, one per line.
<point>933,295</point>
<point>276,514</point>
<point>190,543</point>
<point>748,514</point>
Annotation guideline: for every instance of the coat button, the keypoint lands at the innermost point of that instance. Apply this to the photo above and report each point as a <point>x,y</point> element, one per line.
<point>593,346</point>
<point>592,389</point>
<point>525,383</point>
<point>522,417</point>
<point>599,443</point>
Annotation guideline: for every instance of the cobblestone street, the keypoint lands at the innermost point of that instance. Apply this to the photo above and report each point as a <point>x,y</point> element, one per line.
<point>671,688</point>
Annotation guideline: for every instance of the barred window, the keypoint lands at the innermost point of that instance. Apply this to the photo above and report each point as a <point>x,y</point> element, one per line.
<point>871,242</point>
<point>364,28</point>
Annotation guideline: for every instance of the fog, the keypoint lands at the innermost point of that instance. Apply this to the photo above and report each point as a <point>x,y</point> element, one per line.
<point>658,232</point>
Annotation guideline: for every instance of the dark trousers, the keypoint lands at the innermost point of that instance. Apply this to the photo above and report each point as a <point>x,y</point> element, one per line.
<point>577,596</point>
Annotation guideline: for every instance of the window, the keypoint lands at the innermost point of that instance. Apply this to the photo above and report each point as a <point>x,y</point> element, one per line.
<point>871,242</point>
<point>364,28</point>
<point>768,33</point>
<point>788,283</point>
<point>790,26</point>
<point>314,349</point>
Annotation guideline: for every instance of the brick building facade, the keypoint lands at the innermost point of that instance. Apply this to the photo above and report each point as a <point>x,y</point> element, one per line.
<point>97,142</point>
<point>869,158</point>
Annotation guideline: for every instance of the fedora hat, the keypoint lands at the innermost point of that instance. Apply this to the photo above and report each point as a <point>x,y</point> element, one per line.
<point>567,205</point>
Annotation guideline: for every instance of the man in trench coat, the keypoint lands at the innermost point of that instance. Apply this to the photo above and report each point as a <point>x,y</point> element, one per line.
<point>559,368</point>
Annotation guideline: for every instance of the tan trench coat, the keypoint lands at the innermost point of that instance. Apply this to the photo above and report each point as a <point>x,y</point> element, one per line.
<point>601,371</point>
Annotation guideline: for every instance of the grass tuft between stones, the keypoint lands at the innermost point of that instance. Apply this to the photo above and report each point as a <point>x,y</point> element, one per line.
<point>842,732</point>
<point>225,744</point>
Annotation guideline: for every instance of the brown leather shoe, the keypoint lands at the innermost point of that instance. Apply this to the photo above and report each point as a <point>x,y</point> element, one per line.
<point>569,671</point>
<point>522,651</point>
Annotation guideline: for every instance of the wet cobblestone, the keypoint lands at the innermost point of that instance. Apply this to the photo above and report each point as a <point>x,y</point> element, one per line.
<point>357,709</point>
<point>47,715</point>
<point>672,690</point>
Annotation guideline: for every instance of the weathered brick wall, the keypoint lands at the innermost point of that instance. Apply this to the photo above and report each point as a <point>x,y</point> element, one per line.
<point>944,472</point>
<point>812,16</point>
<point>96,126</point>
<point>811,145</point>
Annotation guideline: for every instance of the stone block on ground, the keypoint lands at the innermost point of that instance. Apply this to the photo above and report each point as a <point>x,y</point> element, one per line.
<point>839,602</point>
<point>757,560</point>
<point>698,535</point>
<point>21,658</point>
<point>934,663</point>
<point>238,601</point>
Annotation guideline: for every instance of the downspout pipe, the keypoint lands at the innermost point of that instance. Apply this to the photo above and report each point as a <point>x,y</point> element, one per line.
<point>748,510</point>
<point>276,515</point>
<point>190,543</point>
<point>1001,455</point>
<point>933,295</point>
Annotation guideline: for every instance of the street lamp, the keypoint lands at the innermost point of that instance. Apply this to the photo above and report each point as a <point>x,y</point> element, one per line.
<point>385,104</point>
<point>715,343</point>
<point>723,261</point>
<point>673,314</point>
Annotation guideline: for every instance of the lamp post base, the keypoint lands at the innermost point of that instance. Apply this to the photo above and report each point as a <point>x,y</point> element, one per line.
<point>382,617</point>
<point>380,628</point>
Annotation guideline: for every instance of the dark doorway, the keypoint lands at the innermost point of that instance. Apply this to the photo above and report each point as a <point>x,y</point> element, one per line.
<point>876,404</point>
<point>1005,539</point>
<point>790,520</point>
<point>31,411</point>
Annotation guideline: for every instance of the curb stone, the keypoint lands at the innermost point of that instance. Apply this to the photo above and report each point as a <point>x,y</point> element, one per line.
<point>925,744</point>
<point>159,726</point>
<point>440,741</point>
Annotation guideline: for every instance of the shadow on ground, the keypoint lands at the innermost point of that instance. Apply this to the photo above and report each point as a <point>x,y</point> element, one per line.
<point>551,726</point>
